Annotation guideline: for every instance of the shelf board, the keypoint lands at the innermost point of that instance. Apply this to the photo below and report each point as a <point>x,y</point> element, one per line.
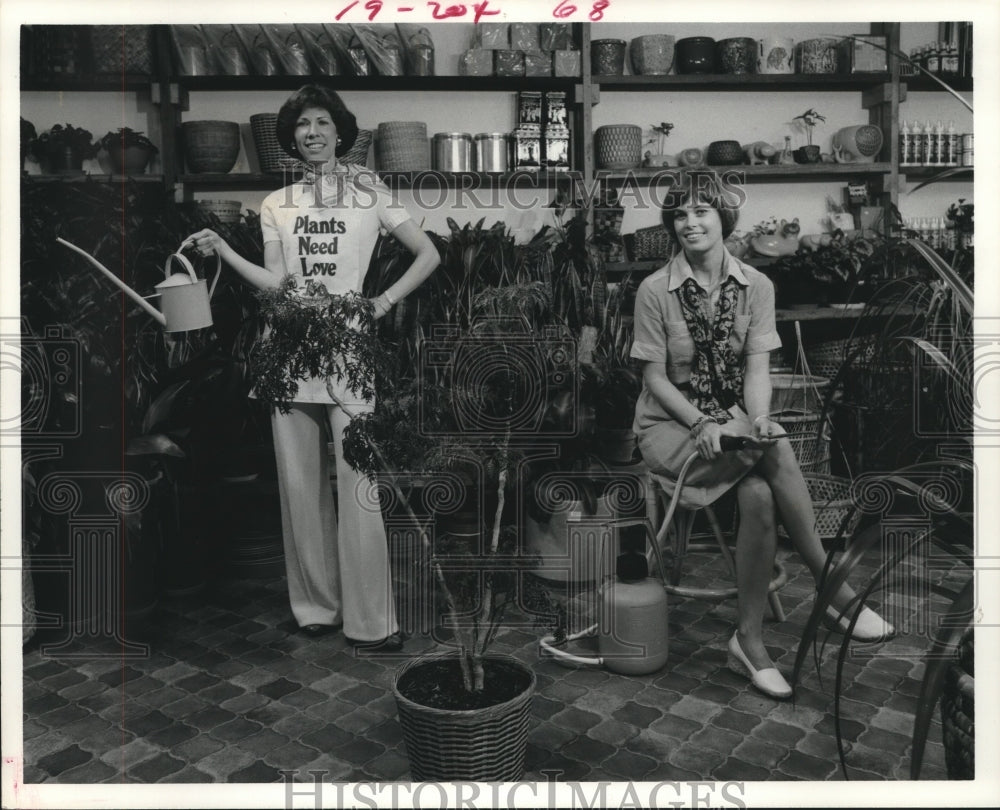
<point>954,172</point>
<point>962,84</point>
<point>761,174</point>
<point>82,84</point>
<point>429,179</point>
<point>736,83</point>
<point>83,177</point>
<point>403,83</point>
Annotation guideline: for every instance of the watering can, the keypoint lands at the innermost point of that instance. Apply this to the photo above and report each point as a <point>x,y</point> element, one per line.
<point>184,299</point>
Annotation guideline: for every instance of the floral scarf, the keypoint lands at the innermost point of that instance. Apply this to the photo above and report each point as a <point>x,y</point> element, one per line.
<point>716,371</point>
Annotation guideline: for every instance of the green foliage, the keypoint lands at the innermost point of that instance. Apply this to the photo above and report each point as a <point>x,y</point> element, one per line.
<point>315,334</point>
<point>124,138</point>
<point>65,137</point>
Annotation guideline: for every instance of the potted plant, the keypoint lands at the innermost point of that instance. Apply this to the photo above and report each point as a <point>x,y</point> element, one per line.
<point>64,148</point>
<point>962,215</point>
<point>129,151</point>
<point>839,272</point>
<point>659,158</point>
<point>809,153</point>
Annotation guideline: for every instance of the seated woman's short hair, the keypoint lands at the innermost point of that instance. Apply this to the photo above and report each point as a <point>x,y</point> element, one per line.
<point>702,187</point>
<point>314,95</point>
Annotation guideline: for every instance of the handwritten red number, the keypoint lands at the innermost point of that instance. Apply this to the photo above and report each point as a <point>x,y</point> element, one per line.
<point>482,10</point>
<point>563,10</point>
<point>451,11</point>
<point>597,12</point>
<point>346,9</point>
<point>374,6</point>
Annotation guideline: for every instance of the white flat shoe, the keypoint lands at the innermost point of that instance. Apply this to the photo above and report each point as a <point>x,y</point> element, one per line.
<point>870,626</point>
<point>769,681</point>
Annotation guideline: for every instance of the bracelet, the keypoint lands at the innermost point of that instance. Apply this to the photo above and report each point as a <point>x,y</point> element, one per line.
<point>762,416</point>
<point>697,424</point>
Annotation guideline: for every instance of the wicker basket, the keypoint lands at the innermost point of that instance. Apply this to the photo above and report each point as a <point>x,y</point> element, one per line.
<point>227,211</point>
<point>958,712</point>
<point>403,146</point>
<point>831,498</point>
<point>618,146</point>
<point>122,49</point>
<point>482,745</point>
<point>811,447</point>
<point>358,153</point>
<point>273,159</point>
<point>797,392</point>
<point>652,243</point>
<point>211,146</point>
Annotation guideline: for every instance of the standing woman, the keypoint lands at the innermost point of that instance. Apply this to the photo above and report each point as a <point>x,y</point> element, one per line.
<point>323,230</point>
<point>704,329</point>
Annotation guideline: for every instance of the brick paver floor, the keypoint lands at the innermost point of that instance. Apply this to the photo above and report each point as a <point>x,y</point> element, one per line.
<point>230,692</point>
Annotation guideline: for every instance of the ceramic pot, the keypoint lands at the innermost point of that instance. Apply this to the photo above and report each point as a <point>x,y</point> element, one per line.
<point>817,55</point>
<point>775,55</point>
<point>736,55</point>
<point>618,146</point>
<point>66,160</point>
<point>724,153</point>
<point>652,55</point>
<point>691,157</point>
<point>607,57</point>
<point>695,55</point>
<point>807,154</point>
<point>858,144</point>
<point>133,161</point>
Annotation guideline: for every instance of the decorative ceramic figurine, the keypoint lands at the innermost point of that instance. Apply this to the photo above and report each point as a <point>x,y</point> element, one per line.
<point>783,243</point>
<point>759,152</point>
<point>691,158</point>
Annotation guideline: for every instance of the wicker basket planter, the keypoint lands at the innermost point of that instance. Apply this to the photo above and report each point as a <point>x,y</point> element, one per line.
<point>797,392</point>
<point>958,711</point>
<point>403,146</point>
<point>228,211</point>
<point>618,146</point>
<point>483,745</point>
<point>273,159</point>
<point>211,146</point>
<point>810,445</point>
<point>121,49</point>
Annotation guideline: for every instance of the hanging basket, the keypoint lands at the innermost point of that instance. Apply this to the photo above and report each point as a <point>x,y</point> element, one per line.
<point>810,445</point>
<point>831,498</point>
<point>481,745</point>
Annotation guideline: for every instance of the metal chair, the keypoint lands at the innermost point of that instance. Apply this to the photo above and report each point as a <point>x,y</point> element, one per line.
<point>674,524</point>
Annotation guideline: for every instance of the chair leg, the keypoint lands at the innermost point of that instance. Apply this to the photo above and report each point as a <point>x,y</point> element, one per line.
<point>775,602</point>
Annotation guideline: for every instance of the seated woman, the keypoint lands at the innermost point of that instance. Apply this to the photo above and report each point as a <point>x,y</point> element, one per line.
<point>704,328</point>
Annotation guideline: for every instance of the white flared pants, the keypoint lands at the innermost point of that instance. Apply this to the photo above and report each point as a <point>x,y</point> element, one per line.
<point>337,569</point>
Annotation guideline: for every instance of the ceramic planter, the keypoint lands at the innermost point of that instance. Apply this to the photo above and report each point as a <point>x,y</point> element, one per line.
<point>652,55</point>
<point>695,55</point>
<point>775,55</point>
<point>807,154</point>
<point>607,57</point>
<point>724,153</point>
<point>817,55</point>
<point>736,55</point>
<point>133,160</point>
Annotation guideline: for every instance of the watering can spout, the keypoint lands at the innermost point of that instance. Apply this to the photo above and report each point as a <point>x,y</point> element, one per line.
<point>150,309</point>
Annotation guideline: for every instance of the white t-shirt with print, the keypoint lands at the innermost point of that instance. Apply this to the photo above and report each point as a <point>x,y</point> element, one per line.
<point>327,234</point>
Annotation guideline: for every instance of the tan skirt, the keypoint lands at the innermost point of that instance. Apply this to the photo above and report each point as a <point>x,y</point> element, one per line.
<point>666,445</point>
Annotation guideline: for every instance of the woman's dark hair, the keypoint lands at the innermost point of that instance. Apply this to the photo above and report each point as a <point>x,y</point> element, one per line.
<point>314,95</point>
<point>702,187</point>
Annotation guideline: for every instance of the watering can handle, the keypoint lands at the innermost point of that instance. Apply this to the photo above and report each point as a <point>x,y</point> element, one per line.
<point>186,264</point>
